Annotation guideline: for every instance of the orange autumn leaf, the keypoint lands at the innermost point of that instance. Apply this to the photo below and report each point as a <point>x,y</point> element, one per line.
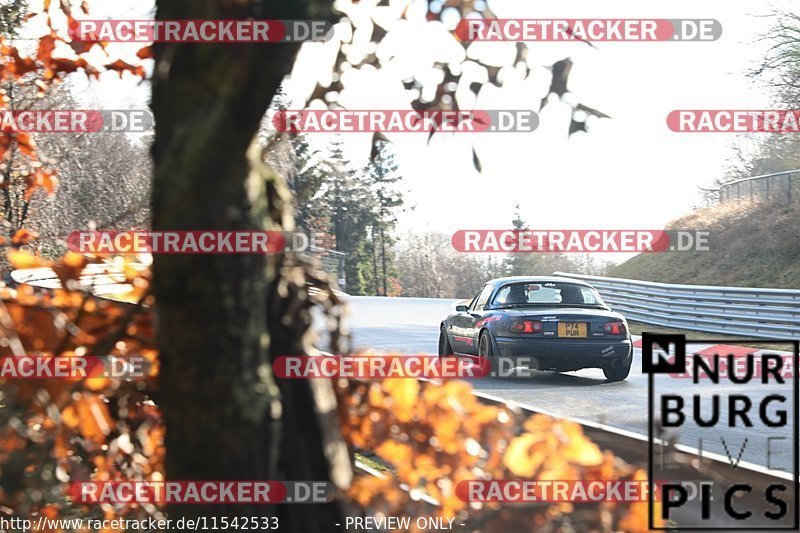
<point>636,519</point>
<point>573,446</point>
<point>404,393</point>
<point>538,423</point>
<point>21,259</point>
<point>94,420</point>
<point>121,67</point>
<point>524,455</point>
<point>70,417</point>
<point>66,7</point>
<point>46,46</point>
<point>26,144</point>
<point>81,47</point>
<point>41,178</point>
<point>23,236</point>
<point>395,452</point>
<point>145,53</point>
<point>67,66</point>
<point>60,446</point>
<point>70,268</point>
<point>582,451</point>
<point>21,65</point>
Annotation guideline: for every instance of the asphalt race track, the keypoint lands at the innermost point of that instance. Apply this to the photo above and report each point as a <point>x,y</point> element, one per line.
<point>411,325</point>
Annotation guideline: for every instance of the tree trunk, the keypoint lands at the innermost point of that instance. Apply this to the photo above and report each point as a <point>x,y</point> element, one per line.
<point>383,255</point>
<point>375,261</point>
<point>226,417</point>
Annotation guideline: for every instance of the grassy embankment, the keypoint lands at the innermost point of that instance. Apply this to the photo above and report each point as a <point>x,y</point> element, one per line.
<point>751,245</point>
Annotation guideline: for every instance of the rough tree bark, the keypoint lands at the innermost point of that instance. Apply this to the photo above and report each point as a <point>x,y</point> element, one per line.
<point>219,315</point>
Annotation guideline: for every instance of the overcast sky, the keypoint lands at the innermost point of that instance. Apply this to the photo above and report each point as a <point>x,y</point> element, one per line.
<point>629,171</point>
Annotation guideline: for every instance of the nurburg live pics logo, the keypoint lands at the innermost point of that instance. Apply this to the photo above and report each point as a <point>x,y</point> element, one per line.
<point>748,410</point>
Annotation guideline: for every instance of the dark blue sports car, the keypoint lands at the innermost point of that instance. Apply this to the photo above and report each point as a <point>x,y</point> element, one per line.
<point>557,323</point>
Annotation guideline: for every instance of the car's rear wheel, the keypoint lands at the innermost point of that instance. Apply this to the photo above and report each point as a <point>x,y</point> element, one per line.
<point>619,370</point>
<point>444,343</point>
<point>485,350</point>
<point>485,346</point>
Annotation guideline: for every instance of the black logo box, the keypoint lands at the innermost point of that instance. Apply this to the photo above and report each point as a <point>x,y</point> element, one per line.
<point>679,365</point>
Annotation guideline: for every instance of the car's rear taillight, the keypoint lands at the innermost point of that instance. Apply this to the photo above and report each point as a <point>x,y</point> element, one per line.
<point>614,328</point>
<point>526,326</point>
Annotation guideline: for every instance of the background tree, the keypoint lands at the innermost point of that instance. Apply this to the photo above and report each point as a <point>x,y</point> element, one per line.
<point>12,13</point>
<point>779,73</point>
<point>16,170</point>
<point>535,263</point>
<point>383,179</point>
<point>429,267</point>
<point>104,181</point>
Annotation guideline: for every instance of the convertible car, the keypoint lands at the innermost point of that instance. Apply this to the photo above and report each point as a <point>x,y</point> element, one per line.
<point>558,323</point>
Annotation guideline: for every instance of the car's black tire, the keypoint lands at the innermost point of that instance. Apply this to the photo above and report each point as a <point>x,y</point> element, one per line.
<point>618,372</point>
<point>486,351</point>
<point>444,343</point>
<point>485,345</point>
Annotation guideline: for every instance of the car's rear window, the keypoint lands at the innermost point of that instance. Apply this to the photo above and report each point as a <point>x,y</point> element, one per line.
<point>547,293</point>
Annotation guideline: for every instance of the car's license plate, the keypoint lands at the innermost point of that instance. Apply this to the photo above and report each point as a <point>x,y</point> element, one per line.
<point>574,330</point>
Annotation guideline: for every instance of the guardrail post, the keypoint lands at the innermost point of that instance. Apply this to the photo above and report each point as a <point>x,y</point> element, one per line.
<point>768,180</point>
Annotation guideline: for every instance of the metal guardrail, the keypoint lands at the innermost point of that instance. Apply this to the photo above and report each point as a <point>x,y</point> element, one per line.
<point>775,186</point>
<point>332,262</point>
<point>764,313</point>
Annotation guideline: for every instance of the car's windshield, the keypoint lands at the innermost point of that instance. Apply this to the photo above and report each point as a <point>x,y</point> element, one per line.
<point>547,293</point>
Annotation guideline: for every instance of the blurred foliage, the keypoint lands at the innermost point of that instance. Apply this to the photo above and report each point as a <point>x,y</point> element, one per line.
<point>56,432</point>
<point>59,431</point>
<point>435,435</point>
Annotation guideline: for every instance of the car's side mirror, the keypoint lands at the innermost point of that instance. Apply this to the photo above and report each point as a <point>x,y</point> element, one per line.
<point>461,308</point>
